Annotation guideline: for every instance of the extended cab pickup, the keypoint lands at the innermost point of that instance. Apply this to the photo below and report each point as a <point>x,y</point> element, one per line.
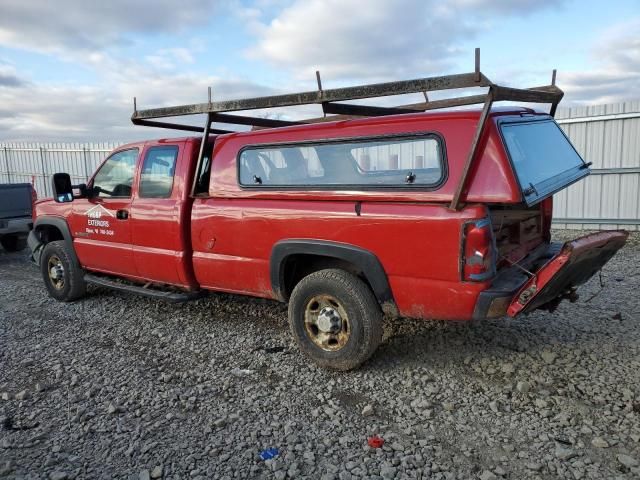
<point>346,220</point>
<point>16,200</point>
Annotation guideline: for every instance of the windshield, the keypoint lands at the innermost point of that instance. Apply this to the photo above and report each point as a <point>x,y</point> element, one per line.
<point>542,156</point>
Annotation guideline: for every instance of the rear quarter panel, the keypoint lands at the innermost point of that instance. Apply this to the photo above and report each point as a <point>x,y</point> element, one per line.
<point>417,244</point>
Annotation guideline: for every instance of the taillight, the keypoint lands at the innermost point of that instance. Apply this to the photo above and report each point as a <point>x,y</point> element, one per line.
<point>478,263</point>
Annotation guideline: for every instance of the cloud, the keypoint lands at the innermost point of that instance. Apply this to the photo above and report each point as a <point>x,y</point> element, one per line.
<point>77,25</point>
<point>518,7</point>
<point>615,76</point>
<point>8,77</point>
<point>46,112</point>
<point>376,38</point>
<point>169,58</point>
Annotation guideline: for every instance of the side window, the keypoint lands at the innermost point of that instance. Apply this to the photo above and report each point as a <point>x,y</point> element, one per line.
<point>388,162</point>
<point>115,177</point>
<point>158,169</point>
<point>204,172</point>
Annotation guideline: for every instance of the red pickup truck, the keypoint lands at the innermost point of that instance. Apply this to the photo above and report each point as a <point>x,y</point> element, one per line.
<point>440,215</point>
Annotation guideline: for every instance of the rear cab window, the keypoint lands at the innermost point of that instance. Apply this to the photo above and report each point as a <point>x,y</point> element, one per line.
<point>409,161</point>
<point>158,170</point>
<point>542,156</point>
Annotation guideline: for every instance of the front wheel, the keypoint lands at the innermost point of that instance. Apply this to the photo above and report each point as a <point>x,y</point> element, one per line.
<point>63,279</point>
<point>335,319</point>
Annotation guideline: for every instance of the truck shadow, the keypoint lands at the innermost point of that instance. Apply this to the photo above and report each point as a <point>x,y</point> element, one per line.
<point>441,344</point>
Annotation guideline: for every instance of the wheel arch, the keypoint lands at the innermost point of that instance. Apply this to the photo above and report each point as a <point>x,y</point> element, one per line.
<point>48,229</point>
<point>292,259</point>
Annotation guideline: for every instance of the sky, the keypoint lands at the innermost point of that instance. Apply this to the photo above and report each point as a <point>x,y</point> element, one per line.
<point>69,69</point>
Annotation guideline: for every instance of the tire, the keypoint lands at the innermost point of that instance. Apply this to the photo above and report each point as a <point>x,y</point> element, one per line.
<point>317,309</point>
<point>13,243</point>
<point>66,284</point>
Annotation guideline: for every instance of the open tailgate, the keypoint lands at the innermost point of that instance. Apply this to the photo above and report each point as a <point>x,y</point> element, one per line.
<point>577,261</point>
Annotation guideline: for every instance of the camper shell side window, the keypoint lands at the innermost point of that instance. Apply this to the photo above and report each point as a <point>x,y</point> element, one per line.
<point>409,161</point>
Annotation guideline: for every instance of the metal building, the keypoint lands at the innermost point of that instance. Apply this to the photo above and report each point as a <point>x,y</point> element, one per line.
<point>609,137</point>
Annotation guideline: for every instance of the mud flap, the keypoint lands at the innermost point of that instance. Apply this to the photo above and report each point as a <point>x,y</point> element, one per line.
<point>577,261</point>
<point>36,247</point>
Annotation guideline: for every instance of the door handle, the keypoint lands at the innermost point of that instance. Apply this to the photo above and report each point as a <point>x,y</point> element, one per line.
<point>122,214</point>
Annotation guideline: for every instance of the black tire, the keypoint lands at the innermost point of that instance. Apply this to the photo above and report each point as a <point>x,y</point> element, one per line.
<point>71,285</point>
<point>13,243</point>
<point>333,293</point>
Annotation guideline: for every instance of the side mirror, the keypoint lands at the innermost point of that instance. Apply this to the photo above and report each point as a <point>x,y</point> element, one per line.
<point>62,188</point>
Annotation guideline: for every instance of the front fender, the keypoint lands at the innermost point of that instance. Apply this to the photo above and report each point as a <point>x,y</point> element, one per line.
<point>35,241</point>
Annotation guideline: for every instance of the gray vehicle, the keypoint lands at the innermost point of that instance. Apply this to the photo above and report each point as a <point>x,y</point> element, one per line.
<point>16,202</point>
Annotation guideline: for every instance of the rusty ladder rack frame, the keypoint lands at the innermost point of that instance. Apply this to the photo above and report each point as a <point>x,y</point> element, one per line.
<point>330,99</point>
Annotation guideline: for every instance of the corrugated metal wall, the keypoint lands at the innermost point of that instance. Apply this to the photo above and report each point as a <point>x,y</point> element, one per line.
<point>606,135</point>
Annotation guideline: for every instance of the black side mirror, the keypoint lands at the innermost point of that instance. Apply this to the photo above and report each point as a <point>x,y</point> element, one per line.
<point>62,188</point>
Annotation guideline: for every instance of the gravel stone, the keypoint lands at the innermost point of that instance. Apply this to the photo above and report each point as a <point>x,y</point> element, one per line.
<point>627,461</point>
<point>599,442</point>
<point>508,368</point>
<point>548,356</point>
<point>201,388</point>
<point>487,475</point>
<point>563,453</point>
<point>21,395</point>
<point>157,471</point>
<point>388,472</point>
<point>58,475</point>
<point>367,411</point>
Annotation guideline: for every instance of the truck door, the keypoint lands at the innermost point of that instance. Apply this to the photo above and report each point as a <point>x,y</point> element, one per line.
<point>157,234</point>
<point>100,225</point>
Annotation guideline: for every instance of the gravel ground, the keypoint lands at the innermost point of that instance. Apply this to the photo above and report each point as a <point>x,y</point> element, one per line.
<point>117,386</point>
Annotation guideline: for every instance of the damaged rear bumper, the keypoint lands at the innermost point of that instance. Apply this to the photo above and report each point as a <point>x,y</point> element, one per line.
<point>548,275</point>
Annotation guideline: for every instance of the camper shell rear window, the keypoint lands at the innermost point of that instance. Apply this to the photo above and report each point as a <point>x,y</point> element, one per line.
<point>409,161</point>
<point>542,156</point>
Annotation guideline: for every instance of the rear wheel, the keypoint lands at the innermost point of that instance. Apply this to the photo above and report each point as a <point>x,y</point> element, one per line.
<point>335,319</point>
<point>13,243</point>
<point>64,281</point>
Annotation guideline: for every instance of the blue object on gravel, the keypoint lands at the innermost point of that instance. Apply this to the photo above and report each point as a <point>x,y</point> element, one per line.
<point>269,453</point>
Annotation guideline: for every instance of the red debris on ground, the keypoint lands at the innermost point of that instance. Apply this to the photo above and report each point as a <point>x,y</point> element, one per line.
<point>375,441</point>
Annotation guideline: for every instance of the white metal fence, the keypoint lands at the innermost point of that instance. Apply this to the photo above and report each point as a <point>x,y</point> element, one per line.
<point>606,135</point>
<point>27,162</point>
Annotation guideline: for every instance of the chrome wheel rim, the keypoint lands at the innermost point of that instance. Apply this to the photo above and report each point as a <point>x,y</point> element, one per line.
<point>326,323</point>
<point>56,272</point>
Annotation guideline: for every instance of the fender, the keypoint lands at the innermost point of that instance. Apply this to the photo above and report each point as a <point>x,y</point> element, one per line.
<point>36,244</point>
<point>365,260</point>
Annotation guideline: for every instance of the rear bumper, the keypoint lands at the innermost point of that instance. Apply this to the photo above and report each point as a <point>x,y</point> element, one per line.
<point>548,275</point>
<point>494,302</point>
<point>21,225</point>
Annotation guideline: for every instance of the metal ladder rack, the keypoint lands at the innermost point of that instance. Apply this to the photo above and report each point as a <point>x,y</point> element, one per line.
<point>331,102</point>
